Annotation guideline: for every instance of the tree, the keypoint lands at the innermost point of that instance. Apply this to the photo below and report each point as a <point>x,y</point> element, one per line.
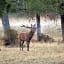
<point>6,6</point>
<point>57,6</point>
<point>62,19</point>
<point>40,7</point>
<point>36,8</point>
<point>3,11</point>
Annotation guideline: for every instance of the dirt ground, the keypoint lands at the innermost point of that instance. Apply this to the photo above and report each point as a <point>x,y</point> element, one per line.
<point>40,53</point>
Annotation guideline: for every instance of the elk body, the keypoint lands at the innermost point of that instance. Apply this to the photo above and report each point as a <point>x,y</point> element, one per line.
<point>24,36</point>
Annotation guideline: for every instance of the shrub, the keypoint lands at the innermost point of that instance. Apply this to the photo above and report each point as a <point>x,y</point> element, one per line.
<point>10,36</point>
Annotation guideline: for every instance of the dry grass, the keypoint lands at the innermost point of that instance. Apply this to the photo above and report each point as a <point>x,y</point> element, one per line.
<point>40,53</point>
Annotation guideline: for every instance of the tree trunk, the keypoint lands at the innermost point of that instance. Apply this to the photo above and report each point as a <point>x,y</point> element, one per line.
<point>6,26</point>
<point>62,26</point>
<point>5,22</point>
<point>38,27</point>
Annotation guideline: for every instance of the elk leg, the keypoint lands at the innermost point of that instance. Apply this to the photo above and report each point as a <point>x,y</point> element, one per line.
<point>22,45</point>
<point>28,46</point>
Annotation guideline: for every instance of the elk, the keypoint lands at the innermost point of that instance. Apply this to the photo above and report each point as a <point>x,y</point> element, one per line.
<point>24,36</point>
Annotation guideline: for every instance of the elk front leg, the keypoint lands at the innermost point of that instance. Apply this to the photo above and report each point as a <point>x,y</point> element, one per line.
<point>28,46</point>
<point>22,45</point>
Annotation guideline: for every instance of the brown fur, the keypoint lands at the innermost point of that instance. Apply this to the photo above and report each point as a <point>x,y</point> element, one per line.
<point>24,36</point>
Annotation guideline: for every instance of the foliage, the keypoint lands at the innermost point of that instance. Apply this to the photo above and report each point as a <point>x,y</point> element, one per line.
<point>42,6</point>
<point>12,5</point>
<point>2,7</point>
<point>11,33</point>
<point>10,37</point>
<point>33,6</point>
<point>6,6</point>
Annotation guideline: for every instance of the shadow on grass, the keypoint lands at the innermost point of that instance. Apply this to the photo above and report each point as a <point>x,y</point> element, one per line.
<point>47,38</point>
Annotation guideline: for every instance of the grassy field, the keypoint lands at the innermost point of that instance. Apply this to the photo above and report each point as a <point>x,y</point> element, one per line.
<point>40,53</point>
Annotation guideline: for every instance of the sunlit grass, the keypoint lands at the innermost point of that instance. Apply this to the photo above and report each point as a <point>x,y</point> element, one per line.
<point>40,53</point>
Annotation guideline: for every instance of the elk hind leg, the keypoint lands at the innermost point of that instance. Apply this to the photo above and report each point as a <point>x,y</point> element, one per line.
<point>20,45</point>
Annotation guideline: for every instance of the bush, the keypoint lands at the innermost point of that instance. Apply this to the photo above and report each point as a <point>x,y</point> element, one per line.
<point>10,37</point>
